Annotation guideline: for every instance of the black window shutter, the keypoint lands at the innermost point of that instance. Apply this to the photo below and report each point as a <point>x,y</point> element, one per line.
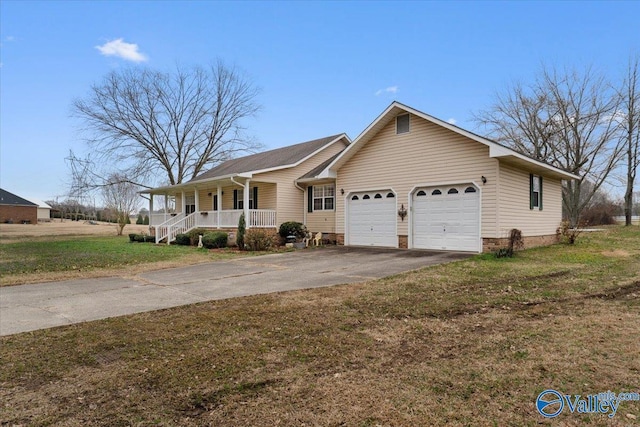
<point>215,202</point>
<point>310,198</point>
<point>235,199</point>
<point>540,195</point>
<point>255,197</point>
<point>530,191</point>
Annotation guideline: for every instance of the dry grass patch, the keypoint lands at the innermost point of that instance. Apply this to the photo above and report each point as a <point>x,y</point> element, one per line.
<point>467,343</point>
<point>10,233</point>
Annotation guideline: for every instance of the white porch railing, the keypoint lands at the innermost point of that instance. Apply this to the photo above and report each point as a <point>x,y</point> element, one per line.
<point>261,218</point>
<point>162,230</point>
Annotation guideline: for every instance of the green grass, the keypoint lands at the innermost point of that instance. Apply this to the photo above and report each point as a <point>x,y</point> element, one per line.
<point>464,344</point>
<point>81,254</point>
<point>44,259</point>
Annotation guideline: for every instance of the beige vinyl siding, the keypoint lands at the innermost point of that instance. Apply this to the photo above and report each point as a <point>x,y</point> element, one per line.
<point>266,196</point>
<point>514,204</point>
<point>321,221</point>
<point>427,155</point>
<point>292,203</point>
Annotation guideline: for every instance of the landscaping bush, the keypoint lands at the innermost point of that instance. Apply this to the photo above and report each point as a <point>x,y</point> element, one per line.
<point>140,220</point>
<point>258,240</point>
<point>194,235</point>
<point>146,220</point>
<point>132,237</point>
<point>183,239</point>
<point>217,239</point>
<point>292,228</point>
<point>241,229</point>
<point>567,234</point>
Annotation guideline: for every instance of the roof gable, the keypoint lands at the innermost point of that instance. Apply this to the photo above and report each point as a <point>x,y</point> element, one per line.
<point>11,199</point>
<point>278,158</point>
<point>495,150</point>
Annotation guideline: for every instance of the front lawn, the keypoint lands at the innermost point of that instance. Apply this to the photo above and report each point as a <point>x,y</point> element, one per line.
<point>58,258</point>
<point>471,343</point>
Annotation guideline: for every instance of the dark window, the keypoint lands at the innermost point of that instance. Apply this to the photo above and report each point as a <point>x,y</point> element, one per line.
<point>436,192</point>
<point>378,196</point>
<point>390,195</point>
<point>452,191</point>
<point>421,193</point>
<point>355,198</point>
<point>402,123</point>
<point>470,190</point>
<point>366,197</point>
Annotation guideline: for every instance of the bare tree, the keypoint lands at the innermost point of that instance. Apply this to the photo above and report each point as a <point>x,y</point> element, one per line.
<point>566,119</point>
<point>121,197</point>
<point>629,120</point>
<point>178,123</point>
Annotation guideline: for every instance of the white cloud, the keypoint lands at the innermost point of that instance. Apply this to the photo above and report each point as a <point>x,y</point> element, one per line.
<point>9,39</point>
<point>452,121</point>
<point>390,89</point>
<point>122,49</point>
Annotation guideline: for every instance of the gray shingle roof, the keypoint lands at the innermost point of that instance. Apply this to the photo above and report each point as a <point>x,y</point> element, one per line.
<point>11,199</point>
<point>269,159</point>
<point>315,171</point>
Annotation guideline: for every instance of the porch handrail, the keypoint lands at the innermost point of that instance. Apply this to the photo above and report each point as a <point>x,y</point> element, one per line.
<point>162,230</point>
<point>182,226</point>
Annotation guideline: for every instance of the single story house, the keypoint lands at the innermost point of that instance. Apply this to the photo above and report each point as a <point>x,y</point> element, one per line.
<point>16,210</point>
<point>44,210</point>
<point>409,180</point>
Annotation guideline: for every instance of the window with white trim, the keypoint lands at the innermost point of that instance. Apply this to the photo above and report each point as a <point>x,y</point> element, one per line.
<point>324,197</point>
<point>535,192</point>
<point>189,204</point>
<point>402,123</point>
<point>240,199</point>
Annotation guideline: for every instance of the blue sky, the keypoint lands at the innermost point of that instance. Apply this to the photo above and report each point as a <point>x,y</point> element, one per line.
<point>323,67</point>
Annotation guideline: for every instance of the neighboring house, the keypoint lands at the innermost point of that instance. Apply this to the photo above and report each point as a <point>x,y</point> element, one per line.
<point>408,181</point>
<point>16,210</point>
<point>44,210</point>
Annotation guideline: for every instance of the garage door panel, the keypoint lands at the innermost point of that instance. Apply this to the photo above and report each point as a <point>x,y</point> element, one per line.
<point>446,218</point>
<point>372,221</point>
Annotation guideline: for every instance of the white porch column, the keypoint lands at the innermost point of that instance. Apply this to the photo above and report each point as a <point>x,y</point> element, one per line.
<point>245,203</point>
<point>166,205</point>
<point>219,196</point>
<point>196,194</point>
<point>151,209</point>
<point>184,204</point>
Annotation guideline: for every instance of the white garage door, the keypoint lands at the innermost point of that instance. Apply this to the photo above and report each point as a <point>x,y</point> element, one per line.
<point>372,219</point>
<point>447,218</point>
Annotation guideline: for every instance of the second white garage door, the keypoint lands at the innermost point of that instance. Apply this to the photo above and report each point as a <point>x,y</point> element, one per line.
<point>447,218</point>
<point>372,219</point>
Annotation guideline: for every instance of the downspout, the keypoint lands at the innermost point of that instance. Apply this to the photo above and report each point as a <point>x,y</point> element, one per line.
<point>304,206</point>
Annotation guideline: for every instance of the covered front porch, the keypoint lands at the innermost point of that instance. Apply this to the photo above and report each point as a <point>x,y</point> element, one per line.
<point>214,205</point>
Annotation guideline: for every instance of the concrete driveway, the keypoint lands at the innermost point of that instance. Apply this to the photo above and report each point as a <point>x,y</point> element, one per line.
<point>44,305</point>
